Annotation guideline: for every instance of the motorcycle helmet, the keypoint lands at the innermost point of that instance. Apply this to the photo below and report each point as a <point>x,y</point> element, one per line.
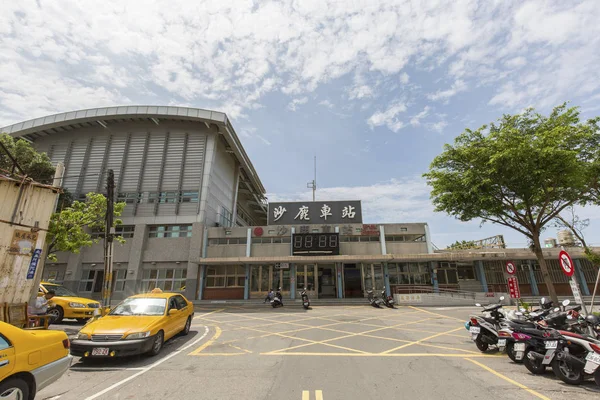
<point>592,320</point>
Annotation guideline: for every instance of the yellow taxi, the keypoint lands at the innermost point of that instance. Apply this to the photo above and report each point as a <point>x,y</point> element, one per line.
<point>66,304</point>
<point>30,360</point>
<point>139,325</point>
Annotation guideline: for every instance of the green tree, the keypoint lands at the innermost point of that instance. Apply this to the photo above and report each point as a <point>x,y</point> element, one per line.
<point>67,230</point>
<point>462,245</point>
<point>34,164</point>
<point>521,172</point>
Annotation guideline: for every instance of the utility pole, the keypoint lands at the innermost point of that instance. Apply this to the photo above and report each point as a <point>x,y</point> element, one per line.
<point>108,239</point>
<point>313,185</point>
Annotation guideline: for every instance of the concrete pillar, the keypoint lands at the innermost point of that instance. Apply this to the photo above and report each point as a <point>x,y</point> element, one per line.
<point>236,185</point>
<point>248,242</point>
<point>133,283</point>
<point>481,273</point>
<point>583,286</point>
<point>382,239</point>
<point>340,291</point>
<point>428,240</point>
<point>293,284</point>
<point>534,287</point>
<point>196,250</point>
<point>386,280</point>
<point>209,159</point>
<point>202,273</point>
<point>247,283</point>
<point>434,279</point>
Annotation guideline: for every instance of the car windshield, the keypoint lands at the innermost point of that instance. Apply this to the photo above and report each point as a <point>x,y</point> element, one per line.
<point>60,291</point>
<point>140,306</point>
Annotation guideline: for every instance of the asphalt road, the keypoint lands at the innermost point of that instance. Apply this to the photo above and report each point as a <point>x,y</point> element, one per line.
<point>326,353</point>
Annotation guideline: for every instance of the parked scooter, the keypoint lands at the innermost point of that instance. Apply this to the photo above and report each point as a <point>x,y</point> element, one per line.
<point>387,300</point>
<point>277,300</point>
<point>305,300</point>
<point>373,300</point>
<point>578,354</point>
<point>484,329</point>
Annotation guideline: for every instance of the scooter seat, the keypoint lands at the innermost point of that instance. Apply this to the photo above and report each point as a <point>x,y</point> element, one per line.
<point>523,324</point>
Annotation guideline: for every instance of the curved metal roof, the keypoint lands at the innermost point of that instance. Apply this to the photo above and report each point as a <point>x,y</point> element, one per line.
<point>52,124</point>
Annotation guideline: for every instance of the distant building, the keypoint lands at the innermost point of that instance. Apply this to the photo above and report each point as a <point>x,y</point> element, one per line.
<point>197,220</point>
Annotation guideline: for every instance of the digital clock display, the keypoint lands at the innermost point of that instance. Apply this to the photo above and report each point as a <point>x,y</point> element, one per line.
<point>318,244</point>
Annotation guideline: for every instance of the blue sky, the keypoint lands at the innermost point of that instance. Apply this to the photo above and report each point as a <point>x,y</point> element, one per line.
<point>373,89</point>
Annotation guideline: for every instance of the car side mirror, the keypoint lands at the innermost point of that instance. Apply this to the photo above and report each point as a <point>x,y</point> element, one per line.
<point>173,311</point>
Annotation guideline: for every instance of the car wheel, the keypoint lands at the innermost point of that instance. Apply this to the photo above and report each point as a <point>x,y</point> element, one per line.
<point>157,345</point>
<point>187,327</point>
<point>14,388</point>
<point>56,314</point>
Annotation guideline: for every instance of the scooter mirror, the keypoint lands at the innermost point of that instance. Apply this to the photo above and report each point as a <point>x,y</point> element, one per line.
<point>519,313</point>
<point>478,305</point>
<point>523,310</point>
<point>566,302</point>
<point>543,300</point>
<point>569,317</point>
<point>501,298</point>
<point>556,309</point>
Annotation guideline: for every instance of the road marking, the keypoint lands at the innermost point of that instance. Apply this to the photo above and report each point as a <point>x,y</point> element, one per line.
<point>208,313</point>
<point>439,315</point>
<point>148,368</point>
<point>507,379</point>
<point>208,343</point>
<point>466,356</point>
<point>306,395</point>
<point>100,369</point>
<point>421,340</point>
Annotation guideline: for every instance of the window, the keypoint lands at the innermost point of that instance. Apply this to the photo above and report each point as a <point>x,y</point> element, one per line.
<point>222,241</point>
<point>466,271</point>
<point>163,197</point>
<point>4,343</point>
<point>129,198</point>
<point>91,281</point>
<point>188,197</point>
<point>394,238</point>
<point>181,303</point>
<point>225,276</point>
<point>403,229</point>
<point>170,231</point>
<point>119,277</point>
<point>225,217</point>
<point>168,279</point>
<point>125,231</point>
<point>409,274</point>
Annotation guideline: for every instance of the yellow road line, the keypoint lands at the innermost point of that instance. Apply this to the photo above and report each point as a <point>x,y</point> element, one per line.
<point>466,356</point>
<point>507,379</point>
<point>208,313</point>
<point>305,395</point>
<point>205,345</point>
<point>325,342</point>
<point>319,394</point>
<point>439,315</point>
<point>421,340</point>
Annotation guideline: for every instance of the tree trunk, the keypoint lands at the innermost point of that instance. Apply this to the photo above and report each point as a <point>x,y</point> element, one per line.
<point>537,248</point>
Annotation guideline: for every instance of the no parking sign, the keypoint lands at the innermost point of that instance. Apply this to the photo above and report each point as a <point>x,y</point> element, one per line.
<point>510,268</point>
<point>566,263</point>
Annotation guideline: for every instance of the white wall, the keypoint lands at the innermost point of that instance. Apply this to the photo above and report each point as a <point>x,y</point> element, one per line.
<point>220,192</point>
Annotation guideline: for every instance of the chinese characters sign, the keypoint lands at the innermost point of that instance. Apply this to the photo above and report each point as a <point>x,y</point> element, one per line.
<point>23,242</point>
<point>317,212</point>
<point>33,263</point>
<point>513,288</point>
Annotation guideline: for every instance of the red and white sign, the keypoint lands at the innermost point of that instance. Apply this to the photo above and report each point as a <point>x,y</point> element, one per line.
<point>513,288</point>
<point>566,263</point>
<point>510,268</point>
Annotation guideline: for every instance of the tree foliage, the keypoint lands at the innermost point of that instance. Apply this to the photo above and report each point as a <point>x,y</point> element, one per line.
<point>67,230</point>
<point>462,245</point>
<point>34,164</point>
<point>520,172</point>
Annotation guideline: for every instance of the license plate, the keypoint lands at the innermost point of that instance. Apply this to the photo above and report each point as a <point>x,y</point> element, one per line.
<point>501,342</point>
<point>593,357</point>
<point>518,355</point>
<point>475,329</point>
<point>100,351</point>
<point>551,344</point>
<point>519,347</point>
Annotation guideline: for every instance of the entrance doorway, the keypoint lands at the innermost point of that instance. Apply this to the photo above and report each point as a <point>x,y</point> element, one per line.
<point>327,281</point>
<point>352,281</point>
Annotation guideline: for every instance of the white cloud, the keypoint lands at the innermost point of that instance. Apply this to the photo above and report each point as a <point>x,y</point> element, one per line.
<point>296,102</point>
<point>416,119</point>
<point>457,87</point>
<point>360,92</point>
<point>516,62</point>
<point>396,200</point>
<point>404,78</point>
<point>326,103</point>
<point>437,126</point>
<point>388,117</point>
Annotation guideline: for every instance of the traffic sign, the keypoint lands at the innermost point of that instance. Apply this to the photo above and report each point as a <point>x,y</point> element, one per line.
<point>566,263</point>
<point>513,288</point>
<point>510,268</point>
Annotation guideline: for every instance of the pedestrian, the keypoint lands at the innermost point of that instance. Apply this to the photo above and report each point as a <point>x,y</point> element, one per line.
<point>269,296</point>
<point>41,304</point>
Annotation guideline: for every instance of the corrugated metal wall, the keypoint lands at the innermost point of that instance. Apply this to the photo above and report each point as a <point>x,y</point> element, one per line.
<point>221,186</point>
<point>146,159</point>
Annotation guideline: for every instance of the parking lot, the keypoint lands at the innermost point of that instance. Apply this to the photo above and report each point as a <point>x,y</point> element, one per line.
<point>326,353</point>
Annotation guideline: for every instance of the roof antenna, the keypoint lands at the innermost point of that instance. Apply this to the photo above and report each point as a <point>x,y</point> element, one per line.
<point>313,184</point>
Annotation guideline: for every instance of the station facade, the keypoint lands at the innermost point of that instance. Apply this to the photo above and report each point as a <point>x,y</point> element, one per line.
<point>197,220</point>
